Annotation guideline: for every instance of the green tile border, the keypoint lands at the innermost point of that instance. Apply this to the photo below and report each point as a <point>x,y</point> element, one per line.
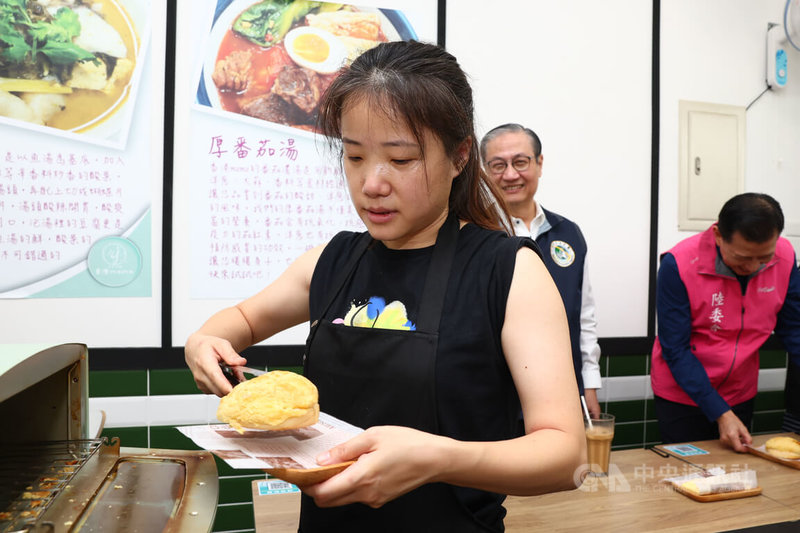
<point>626,411</point>
<point>133,437</point>
<point>234,517</point>
<point>628,365</point>
<point>650,411</point>
<point>603,362</point>
<point>629,433</point>
<point>180,380</point>
<point>626,447</point>
<point>636,427</point>
<point>106,383</point>
<point>237,489</point>
<point>172,381</point>
<point>651,432</point>
<point>772,359</point>
<point>296,369</point>
<point>169,438</point>
<point>769,400</point>
<point>767,421</point>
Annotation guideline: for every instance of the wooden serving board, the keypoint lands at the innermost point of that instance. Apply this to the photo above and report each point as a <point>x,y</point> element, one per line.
<point>719,496</point>
<point>308,476</point>
<point>761,451</point>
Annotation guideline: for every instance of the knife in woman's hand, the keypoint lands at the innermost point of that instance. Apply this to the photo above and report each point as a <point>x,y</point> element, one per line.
<point>230,375</point>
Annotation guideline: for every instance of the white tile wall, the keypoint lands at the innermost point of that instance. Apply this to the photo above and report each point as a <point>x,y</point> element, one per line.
<point>624,388</point>
<point>187,409</point>
<point>142,411</point>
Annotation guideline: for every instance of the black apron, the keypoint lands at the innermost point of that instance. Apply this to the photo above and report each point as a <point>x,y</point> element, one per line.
<point>371,376</point>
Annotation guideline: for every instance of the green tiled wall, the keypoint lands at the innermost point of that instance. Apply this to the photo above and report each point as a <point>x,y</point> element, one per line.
<point>169,438</point>
<point>629,411</point>
<point>172,381</point>
<point>767,422</point>
<point>769,400</point>
<point>628,434</point>
<point>773,359</point>
<point>128,437</point>
<point>235,517</point>
<point>651,433</point>
<point>636,422</point>
<point>628,365</point>
<point>237,489</point>
<point>115,383</point>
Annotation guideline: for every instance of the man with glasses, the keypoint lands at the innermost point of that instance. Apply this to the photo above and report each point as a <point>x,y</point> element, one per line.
<point>720,295</point>
<point>512,155</point>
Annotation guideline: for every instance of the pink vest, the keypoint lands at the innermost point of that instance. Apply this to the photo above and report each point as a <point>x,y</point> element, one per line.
<point>728,328</point>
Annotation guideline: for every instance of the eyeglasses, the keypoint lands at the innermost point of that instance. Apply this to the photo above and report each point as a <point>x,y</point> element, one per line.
<point>520,163</point>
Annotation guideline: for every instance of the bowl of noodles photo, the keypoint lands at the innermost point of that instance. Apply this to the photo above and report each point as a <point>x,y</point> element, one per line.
<point>272,60</point>
<point>66,64</point>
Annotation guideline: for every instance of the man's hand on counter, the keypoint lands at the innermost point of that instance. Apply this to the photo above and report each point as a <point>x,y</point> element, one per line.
<point>732,432</point>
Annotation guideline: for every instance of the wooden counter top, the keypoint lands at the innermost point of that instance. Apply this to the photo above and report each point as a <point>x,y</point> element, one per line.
<point>632,498</point>
<point>782,483</point>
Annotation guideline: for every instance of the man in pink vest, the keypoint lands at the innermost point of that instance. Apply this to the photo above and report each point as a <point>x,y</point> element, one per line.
<point>720,295</point>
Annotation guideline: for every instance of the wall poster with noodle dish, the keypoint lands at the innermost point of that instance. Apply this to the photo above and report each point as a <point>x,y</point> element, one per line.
<point>76,181</point>
<point>264,66</point>
<point>70,67</point>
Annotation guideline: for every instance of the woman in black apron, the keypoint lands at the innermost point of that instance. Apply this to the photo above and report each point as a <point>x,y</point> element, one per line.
<point>429,330</point>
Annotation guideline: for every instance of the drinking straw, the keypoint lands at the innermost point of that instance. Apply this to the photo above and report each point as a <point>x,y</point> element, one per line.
<point>586,411</point>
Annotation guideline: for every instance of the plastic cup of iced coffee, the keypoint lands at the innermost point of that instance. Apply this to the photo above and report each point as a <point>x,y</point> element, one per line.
<point>599,434</point>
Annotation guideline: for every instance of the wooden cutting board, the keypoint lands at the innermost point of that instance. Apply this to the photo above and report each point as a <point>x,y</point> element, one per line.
<point>732,495</point>
<point>308,476</point>
<point>761,451</point>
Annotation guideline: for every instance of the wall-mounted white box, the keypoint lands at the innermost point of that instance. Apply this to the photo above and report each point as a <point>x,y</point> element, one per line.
<point>711,160</point>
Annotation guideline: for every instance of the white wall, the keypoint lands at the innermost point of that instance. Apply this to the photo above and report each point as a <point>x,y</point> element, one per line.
<point>715,51</point>
<point>579,74</point>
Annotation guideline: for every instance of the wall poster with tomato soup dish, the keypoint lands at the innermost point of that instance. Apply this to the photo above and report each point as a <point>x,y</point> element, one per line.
<point>77,152</point>
<point>263,187</point>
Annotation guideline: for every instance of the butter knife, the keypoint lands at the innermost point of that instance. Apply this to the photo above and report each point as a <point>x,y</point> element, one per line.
<point>230,375</point>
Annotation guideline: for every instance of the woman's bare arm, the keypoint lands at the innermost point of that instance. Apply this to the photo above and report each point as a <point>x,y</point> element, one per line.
<point>279,306</point>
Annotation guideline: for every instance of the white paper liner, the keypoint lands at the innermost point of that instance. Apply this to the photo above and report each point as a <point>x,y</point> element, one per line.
<point>718,482</point>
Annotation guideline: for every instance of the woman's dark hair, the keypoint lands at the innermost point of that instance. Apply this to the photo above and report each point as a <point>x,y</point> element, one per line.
<point>757,217</point>
<point>422,85</point>
<point>512,127</point>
